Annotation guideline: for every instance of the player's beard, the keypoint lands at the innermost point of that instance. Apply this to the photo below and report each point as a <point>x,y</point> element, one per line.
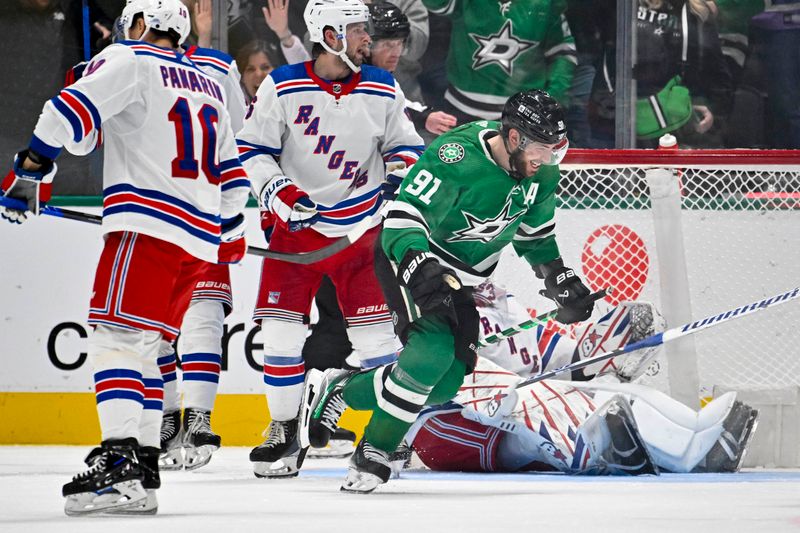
<point>519,168</point>
<point>359,55</point>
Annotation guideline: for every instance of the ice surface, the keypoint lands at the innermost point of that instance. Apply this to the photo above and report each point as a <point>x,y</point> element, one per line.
<point>224,497</point>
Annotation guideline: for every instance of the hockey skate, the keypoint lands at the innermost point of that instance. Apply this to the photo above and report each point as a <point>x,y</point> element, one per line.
<point>322,406</point>
<point>171,441</point>
<point>727,454</point>
<point>199,442</point>
<point>369,467</point>
<point>341,445</point>
<point>627,323</point>
<point>113,480</point>
<point>280,455</point>
<point>400,459</point>
<point>148,461</point>
<point>614,441</point>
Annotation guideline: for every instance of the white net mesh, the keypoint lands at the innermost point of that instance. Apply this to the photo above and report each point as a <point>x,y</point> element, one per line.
<point>740,221</point>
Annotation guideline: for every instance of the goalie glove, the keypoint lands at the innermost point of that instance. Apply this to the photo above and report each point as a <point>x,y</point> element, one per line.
<point>566,289</point>
<point>232,245</point>
<point>31,186</point>
<point>289,204</point>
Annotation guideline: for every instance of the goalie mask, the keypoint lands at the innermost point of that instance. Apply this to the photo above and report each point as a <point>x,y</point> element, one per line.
<point>539,119</point>
<point>338,15</point>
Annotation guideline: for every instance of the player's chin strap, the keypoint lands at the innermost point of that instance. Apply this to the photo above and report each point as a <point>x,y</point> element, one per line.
<point>342,54</point>
<point>671,334</point>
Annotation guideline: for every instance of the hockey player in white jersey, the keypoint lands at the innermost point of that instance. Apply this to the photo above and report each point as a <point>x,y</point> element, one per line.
<point>317,145</point>
<point>173,198</point>
<point>603,426</point>
<point>188,441</point>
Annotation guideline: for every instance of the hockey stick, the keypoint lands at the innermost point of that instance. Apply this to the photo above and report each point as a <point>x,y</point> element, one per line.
<point>302,258</point>
<point>670,334</point>
<point>539,320</point>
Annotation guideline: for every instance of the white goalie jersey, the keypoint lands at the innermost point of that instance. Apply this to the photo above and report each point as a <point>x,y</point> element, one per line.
<point>333,139</point>
<point>179,183</point>
<point>563,425</point>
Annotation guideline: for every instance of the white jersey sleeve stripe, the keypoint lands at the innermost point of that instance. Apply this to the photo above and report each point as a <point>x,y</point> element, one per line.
<point>249,150</point>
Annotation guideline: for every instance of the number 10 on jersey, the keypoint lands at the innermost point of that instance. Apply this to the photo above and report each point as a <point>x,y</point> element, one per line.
<point>425,182</point>
<point>185,164</point>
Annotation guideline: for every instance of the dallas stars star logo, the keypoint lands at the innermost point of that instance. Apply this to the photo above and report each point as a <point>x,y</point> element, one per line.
<point>485,230</point>
<point>501,49</point>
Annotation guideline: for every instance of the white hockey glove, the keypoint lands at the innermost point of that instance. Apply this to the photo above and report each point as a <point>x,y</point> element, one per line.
<point>30,186</point>
<point>289,203</point>
<point>395,174</point>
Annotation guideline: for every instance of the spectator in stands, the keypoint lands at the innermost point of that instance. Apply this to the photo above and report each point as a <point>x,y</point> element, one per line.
<point>416,43</point>
<point>202,21</point>
<point>683,83</point>
<point>276,16</point>
<point>499,48</point>
<point>254,65</point>
<point>776,36</point>
<point>390,31</point>
<point>581,19</point>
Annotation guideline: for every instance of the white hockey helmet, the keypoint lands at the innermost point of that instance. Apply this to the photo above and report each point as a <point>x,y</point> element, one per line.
<point>337,14</point>
<point>162,15</point>
<point>131,9</point>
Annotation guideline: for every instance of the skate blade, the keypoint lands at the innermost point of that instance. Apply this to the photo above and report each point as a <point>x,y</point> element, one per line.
<point>336,449</point>
<point>120,496</point>
<point>199,456</point>
<point>360,482</point>
<point>171,459</point>
<point>309,401</point>
<point>283,468</point>
<point>148,507</point>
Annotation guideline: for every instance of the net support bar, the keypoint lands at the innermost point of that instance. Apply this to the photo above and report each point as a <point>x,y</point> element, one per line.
<point>665,196</point>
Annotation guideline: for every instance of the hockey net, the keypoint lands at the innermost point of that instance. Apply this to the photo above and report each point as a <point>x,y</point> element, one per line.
<point>734,229</point>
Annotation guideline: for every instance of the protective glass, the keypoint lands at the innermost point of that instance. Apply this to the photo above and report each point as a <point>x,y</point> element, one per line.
<point>546,154</point>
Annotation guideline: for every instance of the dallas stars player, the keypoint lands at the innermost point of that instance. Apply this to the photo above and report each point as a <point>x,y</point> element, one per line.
<point>475,190</point>
<point>500,47</point>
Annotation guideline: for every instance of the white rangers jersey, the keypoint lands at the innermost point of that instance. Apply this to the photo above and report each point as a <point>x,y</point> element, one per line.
<point>170,166</point>
<point>333,139</point>
<point>528,353</point>
<point>223,69</point>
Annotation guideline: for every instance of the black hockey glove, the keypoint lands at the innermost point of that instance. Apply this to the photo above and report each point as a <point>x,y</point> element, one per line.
<point>430,283</point>
<point>565,288</point>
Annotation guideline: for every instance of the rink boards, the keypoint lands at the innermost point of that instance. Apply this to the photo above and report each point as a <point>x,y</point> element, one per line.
<point>47,274</point>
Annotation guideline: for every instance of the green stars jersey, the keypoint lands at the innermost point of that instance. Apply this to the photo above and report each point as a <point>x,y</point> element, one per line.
<point>457,203</point>
<point>499,48</point>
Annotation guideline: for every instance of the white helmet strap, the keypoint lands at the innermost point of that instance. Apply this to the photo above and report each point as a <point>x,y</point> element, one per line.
<point>341,53</point>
